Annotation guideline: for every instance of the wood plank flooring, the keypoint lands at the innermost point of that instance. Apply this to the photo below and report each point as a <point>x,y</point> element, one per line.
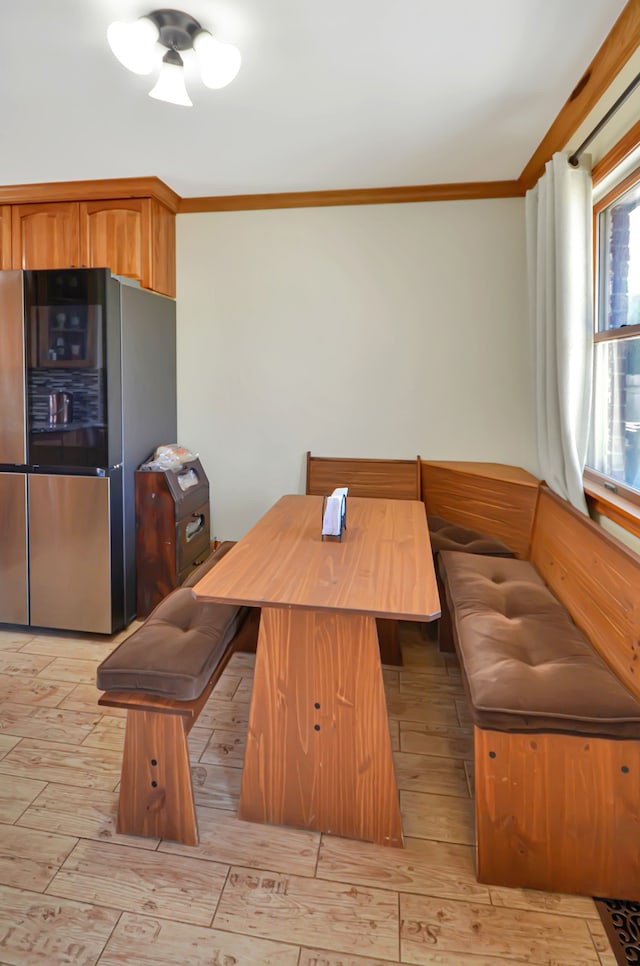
<point>73,891</point>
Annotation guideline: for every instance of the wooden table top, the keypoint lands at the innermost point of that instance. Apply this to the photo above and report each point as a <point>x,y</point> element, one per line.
<point>382,567</point>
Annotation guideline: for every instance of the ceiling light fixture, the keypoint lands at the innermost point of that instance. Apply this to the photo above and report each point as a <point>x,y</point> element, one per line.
<point>138,47</point>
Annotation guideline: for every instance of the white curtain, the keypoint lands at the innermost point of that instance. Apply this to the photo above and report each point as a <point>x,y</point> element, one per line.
<point>559,211</point>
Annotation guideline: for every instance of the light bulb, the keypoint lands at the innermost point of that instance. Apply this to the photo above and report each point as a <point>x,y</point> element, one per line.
<point>134,44</point>
<point>170,86</point>
<point>219,63</point>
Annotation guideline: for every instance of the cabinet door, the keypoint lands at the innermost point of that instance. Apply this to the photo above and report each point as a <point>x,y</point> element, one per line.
<point>70,553</point>
<point>163,250</point>
<point>116,235</point>
<point>45,236</point>
<point>5,236</point>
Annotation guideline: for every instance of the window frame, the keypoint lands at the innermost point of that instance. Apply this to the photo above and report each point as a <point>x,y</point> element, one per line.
<point>606,495</point>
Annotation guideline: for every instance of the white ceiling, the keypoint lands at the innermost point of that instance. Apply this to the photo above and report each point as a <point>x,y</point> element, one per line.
<point>331,94</point>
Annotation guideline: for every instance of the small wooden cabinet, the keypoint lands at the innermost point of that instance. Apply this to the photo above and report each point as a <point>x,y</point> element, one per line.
<point>134,237</point>
<point>172,530</point>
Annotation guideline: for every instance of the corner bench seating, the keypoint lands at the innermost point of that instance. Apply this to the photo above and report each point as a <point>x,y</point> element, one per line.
<point>549,652</point>
<point>163,675</point>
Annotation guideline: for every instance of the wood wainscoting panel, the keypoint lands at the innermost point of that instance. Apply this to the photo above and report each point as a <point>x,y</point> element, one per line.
<point>595,576</point>
<point>558,812</point>
<point>495,499</point>
<point>318,747</point>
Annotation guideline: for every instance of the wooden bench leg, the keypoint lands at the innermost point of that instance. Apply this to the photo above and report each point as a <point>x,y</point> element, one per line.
<point>445,628</point>
<point>156,794</point>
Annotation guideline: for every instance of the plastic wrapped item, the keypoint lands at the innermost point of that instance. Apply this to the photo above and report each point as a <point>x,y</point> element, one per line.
<point>170,456</point>
<point>187,480</point>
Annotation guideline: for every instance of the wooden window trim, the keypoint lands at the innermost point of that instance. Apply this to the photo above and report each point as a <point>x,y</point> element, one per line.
<point>621,505</point>
<point>616,335</point>
<point>605,496</point>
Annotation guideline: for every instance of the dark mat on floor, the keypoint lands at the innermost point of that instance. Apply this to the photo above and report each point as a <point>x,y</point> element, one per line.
<point>621,921</point>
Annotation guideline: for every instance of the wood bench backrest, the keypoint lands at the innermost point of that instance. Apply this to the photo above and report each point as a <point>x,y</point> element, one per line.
<point>490,497</point>
<point>597,579</point>
<point>391,479</point>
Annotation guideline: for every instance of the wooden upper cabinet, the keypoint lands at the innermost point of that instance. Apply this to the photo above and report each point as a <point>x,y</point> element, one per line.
<point>45,235</point>
<point>117,235</point>
<point>134,237</point>
<point>5,236</point>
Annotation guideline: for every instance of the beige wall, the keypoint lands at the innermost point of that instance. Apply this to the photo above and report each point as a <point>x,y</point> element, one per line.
<point>383,330</point>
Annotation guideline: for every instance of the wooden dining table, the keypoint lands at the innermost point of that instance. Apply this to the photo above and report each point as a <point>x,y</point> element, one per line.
<point>318,752</point>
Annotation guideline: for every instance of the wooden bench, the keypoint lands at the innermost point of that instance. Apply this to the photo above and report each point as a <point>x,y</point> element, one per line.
<point>156,791</point>
<point>389,479</point>
<point>550,656</point>
<point>490,498</point>
<point>378,478</point>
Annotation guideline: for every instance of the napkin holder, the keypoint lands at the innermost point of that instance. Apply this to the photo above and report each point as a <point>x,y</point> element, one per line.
<point>334,513</point>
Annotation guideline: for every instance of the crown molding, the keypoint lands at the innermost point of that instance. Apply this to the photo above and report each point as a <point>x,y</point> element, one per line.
<point>622,41</point>
<point>107,189</point>
<point>355,196</point>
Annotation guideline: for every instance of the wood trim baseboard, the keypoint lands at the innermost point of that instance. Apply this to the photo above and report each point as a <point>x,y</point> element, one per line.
<point>622,41</point>
<point>111,188</point>
<point>464,191</point>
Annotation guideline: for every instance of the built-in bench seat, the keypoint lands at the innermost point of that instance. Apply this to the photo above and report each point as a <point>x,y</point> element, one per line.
<point>163,675</point>
<point>548,650</point>
<point>445,536</point>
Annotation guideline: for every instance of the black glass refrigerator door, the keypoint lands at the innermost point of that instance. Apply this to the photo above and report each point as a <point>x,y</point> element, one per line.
<point>65,322</point>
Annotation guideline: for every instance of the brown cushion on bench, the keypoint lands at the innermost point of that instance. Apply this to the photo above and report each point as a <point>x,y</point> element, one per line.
<point>526,665</point>
<point>450,536</point>
<point>176,650</point>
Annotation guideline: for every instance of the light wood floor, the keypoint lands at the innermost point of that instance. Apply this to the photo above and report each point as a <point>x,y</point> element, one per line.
<point>74,892</point>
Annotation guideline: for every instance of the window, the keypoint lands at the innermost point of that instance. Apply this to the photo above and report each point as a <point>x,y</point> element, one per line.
<point>615,435</point>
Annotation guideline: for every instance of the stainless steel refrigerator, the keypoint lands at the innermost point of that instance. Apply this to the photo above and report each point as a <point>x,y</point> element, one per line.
<point>87,391</point>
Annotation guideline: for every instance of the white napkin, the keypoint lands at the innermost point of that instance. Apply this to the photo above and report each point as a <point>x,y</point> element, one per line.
<point>334,512</point>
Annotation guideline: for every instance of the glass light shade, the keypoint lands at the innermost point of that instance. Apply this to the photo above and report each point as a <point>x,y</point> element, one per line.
<point>219,63</point>
<point>134,44</point>
<point>170,86</point>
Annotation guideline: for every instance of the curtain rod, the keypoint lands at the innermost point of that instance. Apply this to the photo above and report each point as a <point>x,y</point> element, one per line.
<point>575,157</point>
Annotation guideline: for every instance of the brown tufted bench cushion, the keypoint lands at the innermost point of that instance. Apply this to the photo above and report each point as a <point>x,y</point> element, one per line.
<point>450,536</point>
<point>175,651</point>
<point>179,645</point>
<point>525,664</point>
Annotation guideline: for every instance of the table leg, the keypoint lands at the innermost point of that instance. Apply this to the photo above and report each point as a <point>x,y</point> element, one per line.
<point>318,748</point>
